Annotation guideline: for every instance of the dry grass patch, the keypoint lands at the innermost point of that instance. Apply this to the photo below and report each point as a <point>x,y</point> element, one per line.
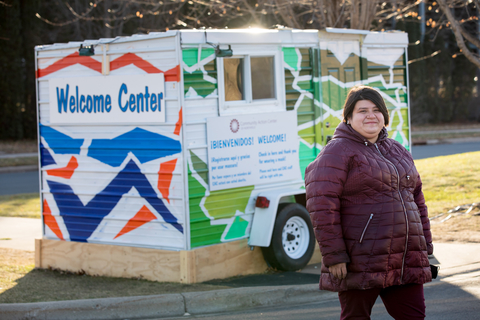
<point>20,282</point>
<point>14,162</point>
<point>445,126</point>
<point>20,146</point>
<point>14,264</point>
<point>21,205</point>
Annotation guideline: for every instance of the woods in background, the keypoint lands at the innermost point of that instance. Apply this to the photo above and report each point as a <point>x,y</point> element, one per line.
<point>443,79</point>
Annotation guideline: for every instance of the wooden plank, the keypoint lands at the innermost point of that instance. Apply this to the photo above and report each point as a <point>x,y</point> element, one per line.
<point>38,253</point>
<point>112,261</point>
<point>188,271</point>
<point>228,260</point>
<point>317,256</point>
<point>214,262</point>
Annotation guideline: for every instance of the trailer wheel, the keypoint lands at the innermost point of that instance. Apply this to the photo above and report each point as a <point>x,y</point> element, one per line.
<point>293,241</point>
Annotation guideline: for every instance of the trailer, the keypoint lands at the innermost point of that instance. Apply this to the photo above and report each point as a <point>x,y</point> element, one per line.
<point>180,155</point>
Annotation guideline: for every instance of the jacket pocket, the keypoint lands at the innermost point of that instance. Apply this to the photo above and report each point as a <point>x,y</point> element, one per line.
<point>366,227</point>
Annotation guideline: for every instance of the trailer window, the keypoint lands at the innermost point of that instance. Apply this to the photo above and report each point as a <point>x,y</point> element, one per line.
<point>263,78</point>
<point>234,79</point>
<point>251,82</point>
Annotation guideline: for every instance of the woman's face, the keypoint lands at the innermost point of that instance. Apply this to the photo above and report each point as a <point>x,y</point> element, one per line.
<point>367,120</point>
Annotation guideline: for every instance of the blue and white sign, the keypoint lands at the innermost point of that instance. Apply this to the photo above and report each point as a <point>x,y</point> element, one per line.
<point>107,99</point>
<point>252,149</point>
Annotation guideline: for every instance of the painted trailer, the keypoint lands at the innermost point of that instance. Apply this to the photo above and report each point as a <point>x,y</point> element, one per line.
<point>171,156</point>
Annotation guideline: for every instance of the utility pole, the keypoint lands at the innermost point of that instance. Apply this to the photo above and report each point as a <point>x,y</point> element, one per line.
<point>421,9</point>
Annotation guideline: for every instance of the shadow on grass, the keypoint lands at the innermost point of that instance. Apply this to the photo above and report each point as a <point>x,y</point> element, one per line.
<point>40,285</point>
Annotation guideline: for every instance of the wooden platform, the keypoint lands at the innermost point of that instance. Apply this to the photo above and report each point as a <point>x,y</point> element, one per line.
<point>198,265</point>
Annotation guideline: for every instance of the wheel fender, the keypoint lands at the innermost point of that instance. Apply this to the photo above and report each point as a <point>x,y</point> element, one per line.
<point>264,218</point>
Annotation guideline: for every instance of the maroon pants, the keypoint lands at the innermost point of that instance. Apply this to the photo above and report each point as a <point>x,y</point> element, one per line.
<point>404,302</point>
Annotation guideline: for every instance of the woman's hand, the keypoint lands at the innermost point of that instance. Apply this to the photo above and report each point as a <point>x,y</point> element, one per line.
<point>339,270</point>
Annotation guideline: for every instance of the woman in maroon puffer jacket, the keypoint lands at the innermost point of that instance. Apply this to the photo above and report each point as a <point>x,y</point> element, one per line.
<point>365,199</point>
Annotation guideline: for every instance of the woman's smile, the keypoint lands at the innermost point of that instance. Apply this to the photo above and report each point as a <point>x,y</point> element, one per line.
<point>367,120</point>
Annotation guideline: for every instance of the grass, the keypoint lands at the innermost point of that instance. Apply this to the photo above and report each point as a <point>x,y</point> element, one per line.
<point>20,146</point>
<point>20,282</point>
<point>450,181</point>
<point>416,137</point>
<point>445,126</point>
<point>444,136</point>
<point>22,205</point>
<point>13,162</point>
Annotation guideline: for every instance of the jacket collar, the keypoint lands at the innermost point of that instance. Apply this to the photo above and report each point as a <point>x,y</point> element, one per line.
<point>346,131</point>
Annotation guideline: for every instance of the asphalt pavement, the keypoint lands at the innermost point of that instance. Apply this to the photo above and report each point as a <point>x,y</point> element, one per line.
<point>436,150</point>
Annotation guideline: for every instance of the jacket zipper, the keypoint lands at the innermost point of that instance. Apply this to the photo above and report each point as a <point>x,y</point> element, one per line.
<point>404,211</point>
<point>366,226</point>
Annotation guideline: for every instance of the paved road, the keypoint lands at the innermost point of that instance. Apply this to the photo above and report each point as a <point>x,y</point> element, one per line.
<point>435,150</point>
<point>455,295</point>
<point>19,182</point>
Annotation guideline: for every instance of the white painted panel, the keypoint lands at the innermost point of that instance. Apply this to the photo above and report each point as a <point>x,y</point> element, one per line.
<point>386,38</point>
<point>196,134</point>
<point>200,109</point>
<point>383,56</point>
<point>168,42</point>
<point>173,108</point>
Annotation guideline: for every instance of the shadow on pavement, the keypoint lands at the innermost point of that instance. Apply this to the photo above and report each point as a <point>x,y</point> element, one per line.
<point>275,279</point>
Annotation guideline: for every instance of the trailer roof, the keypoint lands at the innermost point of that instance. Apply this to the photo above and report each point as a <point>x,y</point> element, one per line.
<point>244,36</point>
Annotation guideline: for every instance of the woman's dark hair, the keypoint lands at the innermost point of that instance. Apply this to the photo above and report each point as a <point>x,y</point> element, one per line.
<point>359,93</point>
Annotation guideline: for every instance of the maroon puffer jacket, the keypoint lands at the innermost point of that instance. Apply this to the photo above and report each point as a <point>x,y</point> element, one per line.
<point>368,210</point>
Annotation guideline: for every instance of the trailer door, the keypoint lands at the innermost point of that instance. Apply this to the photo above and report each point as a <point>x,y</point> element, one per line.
<point>340,70</point>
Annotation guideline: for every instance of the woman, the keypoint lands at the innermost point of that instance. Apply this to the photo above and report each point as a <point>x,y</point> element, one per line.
<point>365,199</point>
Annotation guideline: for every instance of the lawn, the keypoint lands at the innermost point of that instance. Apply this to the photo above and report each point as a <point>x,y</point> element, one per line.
<point>450,181</point>
<point>22,205</point>
<point>13,162</point>
<point>20,282</point>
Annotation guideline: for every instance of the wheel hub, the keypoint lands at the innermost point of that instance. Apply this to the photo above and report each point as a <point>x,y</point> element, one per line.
<point>295,237</point>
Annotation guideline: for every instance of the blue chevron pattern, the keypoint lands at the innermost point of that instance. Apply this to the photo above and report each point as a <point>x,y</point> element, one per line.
<point>81,221</point>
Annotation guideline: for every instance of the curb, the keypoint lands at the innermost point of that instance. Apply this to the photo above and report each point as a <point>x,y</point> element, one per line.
<point>166,305</point>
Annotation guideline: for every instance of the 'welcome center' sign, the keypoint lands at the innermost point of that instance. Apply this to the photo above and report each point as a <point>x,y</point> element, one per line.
<point>108,99</point>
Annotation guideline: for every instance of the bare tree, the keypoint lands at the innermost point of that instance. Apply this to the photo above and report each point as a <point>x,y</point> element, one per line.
<point>110,18</point>
<point>461,33</point>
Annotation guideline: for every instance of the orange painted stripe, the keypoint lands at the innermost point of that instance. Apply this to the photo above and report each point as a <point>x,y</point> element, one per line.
<point>131,58</point>
<point>165,175</point>
<point>143,216</point>
<point>178,125</point>
<point>50,220</point>
<point>70,60</point>
<point>125,60</point>
<point>65,172</point>
<point>173,74</point>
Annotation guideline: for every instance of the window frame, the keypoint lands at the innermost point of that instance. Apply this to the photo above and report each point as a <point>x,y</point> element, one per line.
<point>248,105</point>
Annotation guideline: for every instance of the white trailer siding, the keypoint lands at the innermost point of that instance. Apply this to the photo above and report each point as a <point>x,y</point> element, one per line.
<point>112,183</point>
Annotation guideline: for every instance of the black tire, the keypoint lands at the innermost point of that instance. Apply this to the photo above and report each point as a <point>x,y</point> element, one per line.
<point>288,254</point>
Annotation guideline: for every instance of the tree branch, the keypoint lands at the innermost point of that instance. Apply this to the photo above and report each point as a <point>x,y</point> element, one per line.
<point>457,31</point>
